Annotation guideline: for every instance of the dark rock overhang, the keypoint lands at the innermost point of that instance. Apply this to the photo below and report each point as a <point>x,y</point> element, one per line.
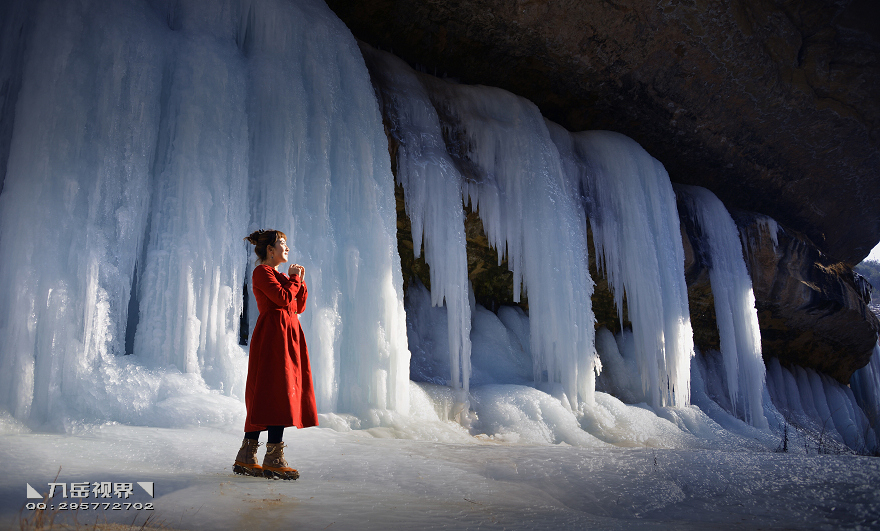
<point>773,106</point>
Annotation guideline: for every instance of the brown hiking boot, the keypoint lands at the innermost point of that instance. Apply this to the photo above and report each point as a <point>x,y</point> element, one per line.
<point>246,460</point>
<point>274,465</point>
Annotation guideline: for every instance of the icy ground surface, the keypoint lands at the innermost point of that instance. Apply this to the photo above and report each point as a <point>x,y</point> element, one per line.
<point>365,480</point>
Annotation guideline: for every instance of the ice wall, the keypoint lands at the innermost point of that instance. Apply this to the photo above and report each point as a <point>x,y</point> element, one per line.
<point>75,199</point>
<point>735,310</point>
<point>534,184</point>
<point>149,136</point>
<point>149,139</point>
<point>632,212</point>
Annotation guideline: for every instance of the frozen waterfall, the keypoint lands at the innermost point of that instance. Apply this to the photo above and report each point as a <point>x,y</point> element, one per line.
<point>433,191</point>
<point>495,148</point>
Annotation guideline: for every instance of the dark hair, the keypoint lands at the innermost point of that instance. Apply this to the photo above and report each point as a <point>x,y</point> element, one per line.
<point>262,239</point>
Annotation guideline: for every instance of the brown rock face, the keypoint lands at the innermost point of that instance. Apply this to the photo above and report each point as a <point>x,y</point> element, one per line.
<point>774,106</point>
<point>492,283</point>
<point>812,310</point>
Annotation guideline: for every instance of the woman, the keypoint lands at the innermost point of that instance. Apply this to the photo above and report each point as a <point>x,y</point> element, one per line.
<point>279,389</point>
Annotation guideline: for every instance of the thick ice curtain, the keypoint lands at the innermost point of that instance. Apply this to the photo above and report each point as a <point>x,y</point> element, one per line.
<point>75,198</point>
<point>320,171</point>
<point>433,191</point>
<point>189,298</point>
<point>865,384</point>
<point>532,215</point>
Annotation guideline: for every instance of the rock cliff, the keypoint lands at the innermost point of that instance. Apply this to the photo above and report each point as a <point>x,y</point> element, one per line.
<point>813,311</point>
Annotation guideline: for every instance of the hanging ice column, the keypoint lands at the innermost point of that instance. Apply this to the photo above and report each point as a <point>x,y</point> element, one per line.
<point>636,233</point>
<point>433,193</point>
<point>530,213</point>
<point>153,136</point>
<point>188,275</point>
<point>734,302</point>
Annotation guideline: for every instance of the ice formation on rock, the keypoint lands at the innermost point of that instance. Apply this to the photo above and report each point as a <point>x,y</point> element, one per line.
<point>433,191</point>
<point>865,385</point>
<point>824,416</point>
<point>735,310</point>
<point>498,146</point>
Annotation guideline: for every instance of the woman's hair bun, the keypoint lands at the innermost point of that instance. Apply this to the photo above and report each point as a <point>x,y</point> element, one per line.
<point>254,237</point>
<point>262,238</point>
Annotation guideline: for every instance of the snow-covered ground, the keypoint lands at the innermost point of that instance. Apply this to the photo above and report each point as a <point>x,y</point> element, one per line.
<point>368,479</point>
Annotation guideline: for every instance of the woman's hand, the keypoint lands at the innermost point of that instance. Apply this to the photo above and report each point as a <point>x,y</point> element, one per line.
<point>296,269</point>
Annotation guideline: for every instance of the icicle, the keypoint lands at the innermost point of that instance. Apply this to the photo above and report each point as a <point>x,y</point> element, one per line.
<point>433,192</point>
<point>735,310</point>
<point>638,246</point>
<point>825,413</point>
<point>532,216</point>
<point>865,384</point>
<point>769,224</point>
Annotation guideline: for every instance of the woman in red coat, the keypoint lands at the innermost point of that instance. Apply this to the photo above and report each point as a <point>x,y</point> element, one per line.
<point>279,389</point>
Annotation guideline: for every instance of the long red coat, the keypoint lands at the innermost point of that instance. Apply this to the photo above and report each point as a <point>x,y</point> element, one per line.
<point>279,389</point>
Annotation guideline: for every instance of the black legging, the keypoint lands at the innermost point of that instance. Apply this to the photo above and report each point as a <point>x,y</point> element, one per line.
<point>275,434</point>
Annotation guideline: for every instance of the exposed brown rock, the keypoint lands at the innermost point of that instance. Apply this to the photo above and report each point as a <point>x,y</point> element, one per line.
<point>811,309</point>
<point>772,105</point>
<point>604,309</point>
<point>491,282</point>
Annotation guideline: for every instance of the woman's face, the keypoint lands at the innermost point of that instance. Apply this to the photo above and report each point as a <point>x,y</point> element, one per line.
<point>278,252</point>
